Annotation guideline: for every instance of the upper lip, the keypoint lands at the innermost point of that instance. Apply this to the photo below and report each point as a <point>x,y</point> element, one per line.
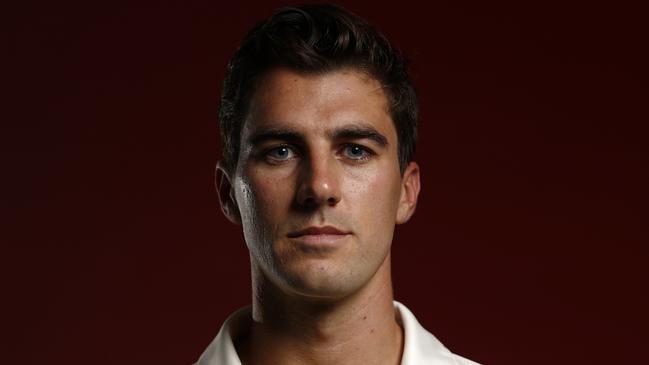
<point>316,231</point>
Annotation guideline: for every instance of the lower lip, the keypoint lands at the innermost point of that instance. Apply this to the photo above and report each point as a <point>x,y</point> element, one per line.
<point>320,239</point>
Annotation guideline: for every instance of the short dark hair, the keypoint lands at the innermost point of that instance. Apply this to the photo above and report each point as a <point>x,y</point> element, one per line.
<point>315,39</point>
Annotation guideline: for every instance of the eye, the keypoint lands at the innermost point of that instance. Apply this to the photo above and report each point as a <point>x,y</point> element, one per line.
<point>281,153</point>
<point>356,152</point>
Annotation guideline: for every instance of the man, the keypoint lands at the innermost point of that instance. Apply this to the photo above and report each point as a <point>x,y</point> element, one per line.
<point>318,123</point>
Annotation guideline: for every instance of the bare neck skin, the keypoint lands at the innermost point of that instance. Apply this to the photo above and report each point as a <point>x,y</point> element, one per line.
<point>287,329</point>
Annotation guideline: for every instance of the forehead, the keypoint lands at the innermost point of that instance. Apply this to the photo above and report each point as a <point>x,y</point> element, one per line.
<point>313,103</point>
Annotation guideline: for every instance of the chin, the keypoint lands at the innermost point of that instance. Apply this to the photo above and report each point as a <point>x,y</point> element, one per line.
<point>320,283</point>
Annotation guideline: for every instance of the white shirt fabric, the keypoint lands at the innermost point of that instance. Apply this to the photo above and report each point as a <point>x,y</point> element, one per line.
<point>420,346</point>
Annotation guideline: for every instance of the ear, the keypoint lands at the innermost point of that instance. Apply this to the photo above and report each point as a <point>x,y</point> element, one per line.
<point>410,186</point>
<point>226,194</point>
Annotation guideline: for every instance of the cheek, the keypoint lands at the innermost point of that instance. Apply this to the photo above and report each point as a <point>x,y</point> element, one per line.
<point>376,195</point>
<point>263,196</point>
<point>263,204</point>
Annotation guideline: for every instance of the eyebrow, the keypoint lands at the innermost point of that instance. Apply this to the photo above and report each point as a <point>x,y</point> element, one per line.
<point>274,134</point>
<point>346,132</point>
<point>359,132</point>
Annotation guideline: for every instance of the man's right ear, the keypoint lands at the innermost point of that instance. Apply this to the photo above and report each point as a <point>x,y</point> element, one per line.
<point>226,194</point>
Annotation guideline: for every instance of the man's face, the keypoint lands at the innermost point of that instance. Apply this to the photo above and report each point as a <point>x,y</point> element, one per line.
<point>317,184</point>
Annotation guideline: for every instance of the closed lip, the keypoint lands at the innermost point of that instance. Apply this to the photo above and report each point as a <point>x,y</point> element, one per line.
<point>316,231</point>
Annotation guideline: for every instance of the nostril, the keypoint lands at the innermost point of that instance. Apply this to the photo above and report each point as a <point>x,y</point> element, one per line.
<point>316,187</point>
<point>307,201</point>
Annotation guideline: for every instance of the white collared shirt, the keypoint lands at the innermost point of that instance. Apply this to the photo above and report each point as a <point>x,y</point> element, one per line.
<point>420,346</point>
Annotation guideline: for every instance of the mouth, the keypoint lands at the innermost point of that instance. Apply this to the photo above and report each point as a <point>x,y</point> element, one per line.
<point>326,235</point>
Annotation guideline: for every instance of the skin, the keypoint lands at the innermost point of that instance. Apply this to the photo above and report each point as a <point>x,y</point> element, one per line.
<point>319,150</point>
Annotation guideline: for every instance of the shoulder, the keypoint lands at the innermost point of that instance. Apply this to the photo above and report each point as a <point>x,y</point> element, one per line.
<point>420,346</point>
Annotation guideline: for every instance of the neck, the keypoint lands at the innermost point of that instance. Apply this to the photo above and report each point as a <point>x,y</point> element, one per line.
<point>294,330</point>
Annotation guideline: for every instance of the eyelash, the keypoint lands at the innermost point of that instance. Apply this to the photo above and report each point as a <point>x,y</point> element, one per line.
<point>367,153</point>
<point>267,152</point>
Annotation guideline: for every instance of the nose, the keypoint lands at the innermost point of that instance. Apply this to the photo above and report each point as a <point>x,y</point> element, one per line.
<point>318,183</point>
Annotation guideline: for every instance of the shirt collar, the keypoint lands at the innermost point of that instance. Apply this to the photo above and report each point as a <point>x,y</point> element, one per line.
<point>420,346</point>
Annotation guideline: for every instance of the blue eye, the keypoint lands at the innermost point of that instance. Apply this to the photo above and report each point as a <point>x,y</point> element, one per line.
<point>281,153</point>
<point>356,152</point>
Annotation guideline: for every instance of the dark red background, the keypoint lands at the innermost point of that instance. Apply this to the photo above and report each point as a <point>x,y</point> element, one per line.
<point>530,241</point>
